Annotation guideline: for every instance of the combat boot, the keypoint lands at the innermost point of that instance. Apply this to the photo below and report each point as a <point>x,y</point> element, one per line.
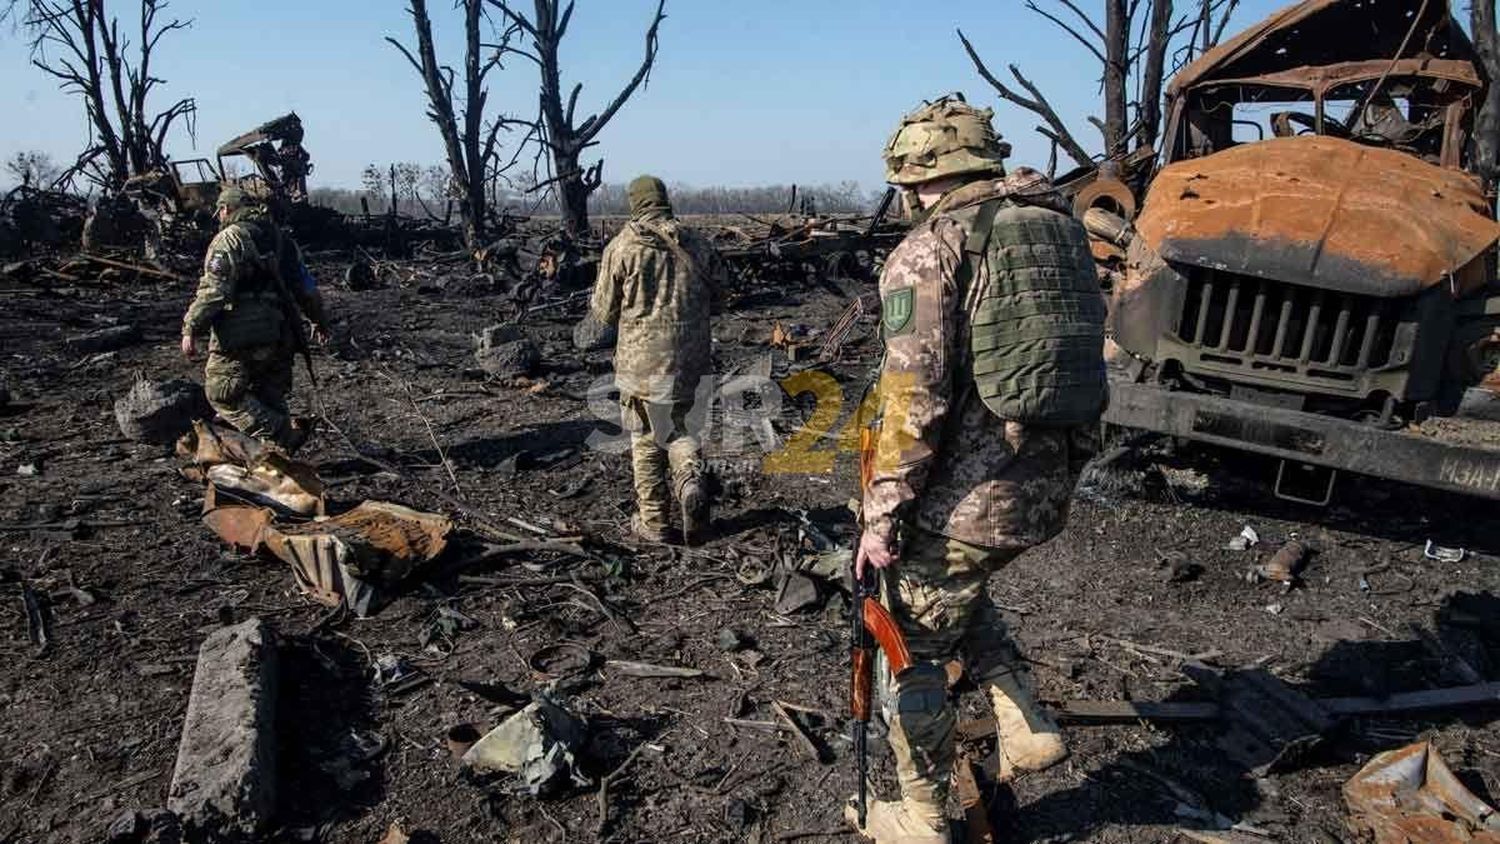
<point>298,431</point>
<point>900,822</point>
<point>647,533</point>
<point>695,514</point>
<point>1029,738</point>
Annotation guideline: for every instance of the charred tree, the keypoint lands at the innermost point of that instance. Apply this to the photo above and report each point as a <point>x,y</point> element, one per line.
<point>1133,45</point>
<point>565,138</point>
<point>470,146</point>
<point>1487,127</point>
<point>81,44</point>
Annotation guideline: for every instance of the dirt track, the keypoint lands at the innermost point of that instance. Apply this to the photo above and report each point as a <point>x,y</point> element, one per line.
<point>91,726</point>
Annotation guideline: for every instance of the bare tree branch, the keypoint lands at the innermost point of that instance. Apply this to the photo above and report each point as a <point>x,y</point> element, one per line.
<point>1037,104</point>
<point>1070,30</point>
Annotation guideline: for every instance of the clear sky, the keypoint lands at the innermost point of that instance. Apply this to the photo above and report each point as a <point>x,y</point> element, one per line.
<point>744,91</point>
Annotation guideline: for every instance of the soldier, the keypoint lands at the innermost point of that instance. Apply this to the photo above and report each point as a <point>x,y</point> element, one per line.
<point>657,281</point>
<point>991,390</point>
<point>251,299</point>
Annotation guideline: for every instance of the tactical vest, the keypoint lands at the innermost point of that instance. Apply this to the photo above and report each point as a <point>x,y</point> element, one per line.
<point>256,315</point>
<point>1037,328</point>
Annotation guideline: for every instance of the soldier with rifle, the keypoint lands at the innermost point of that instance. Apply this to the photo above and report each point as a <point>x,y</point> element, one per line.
<point>990,393</point>
<point>251,300</point>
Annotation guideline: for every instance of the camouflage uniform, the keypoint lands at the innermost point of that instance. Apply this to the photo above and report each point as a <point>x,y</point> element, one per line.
<point>657,282</point>
<point>253,345</point>
<point>957,492</point>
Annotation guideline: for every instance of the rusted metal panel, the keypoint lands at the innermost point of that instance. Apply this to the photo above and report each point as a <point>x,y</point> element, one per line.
<point>1321,211</point>
<point>1319,78</point>
<point>1291,39</point>
<point>1411,796</point>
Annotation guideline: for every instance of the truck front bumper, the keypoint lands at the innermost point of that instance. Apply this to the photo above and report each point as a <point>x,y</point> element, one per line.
<point>1466,467</point>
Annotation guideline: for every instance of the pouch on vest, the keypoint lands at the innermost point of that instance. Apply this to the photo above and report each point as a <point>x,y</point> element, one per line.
<point>1037,328</point>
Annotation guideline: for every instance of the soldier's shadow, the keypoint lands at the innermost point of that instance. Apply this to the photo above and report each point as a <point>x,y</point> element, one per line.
<point>1191,782</point>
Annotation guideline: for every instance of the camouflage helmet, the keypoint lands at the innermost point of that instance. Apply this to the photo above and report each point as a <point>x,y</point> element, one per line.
<point>232,199</point>
<point>945,138</point>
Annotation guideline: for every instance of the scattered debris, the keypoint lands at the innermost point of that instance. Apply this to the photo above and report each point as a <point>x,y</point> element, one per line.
<point>504,351</point>
<point>159,413</point>
<point>224,782</point>
<point>731,640</point>
<point>1176,567</point>
<point>560,661</point>
<point>1284,566</point>
<point>271,480</point>
<point>815,751</point>
<point>647,670</point>
<point>37,627</point>
<point>1246,539</point>
<point>29,470</point>
<point>396,834</point>
<point>353,558</point>
<point>1411,796</point>
<point>104,340</point>
<point>796,592</point>
<point>460,738</point>
<point>540,743</point>
<point>1444,555</point>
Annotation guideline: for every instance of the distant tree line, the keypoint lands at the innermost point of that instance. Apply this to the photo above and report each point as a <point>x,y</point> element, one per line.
<point>424,191</point>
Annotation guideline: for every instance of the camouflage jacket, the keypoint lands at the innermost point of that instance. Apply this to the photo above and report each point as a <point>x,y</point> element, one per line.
<point>943,461</point>
<point>239,299</point>
<point>658,281</point>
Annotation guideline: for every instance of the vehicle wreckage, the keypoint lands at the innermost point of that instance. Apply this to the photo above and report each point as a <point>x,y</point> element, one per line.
<point>1312,272</point>
<point>172,207</point>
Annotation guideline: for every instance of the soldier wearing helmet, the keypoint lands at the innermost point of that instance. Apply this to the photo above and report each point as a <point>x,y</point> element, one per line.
<point>990,393</point>
<point>251,299</point>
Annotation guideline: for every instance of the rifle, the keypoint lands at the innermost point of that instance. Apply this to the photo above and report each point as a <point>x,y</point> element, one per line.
<point>872,626</point>
<point>291,310</point>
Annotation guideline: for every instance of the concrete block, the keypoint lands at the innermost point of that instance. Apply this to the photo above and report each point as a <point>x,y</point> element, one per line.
<point>224,785</point>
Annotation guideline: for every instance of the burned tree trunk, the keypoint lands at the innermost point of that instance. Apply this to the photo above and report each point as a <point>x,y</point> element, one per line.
<point>1487,127</point>
<point>1153,74</point>
<point>1116,66</point>
<point>566,140</point>
<point>471,147</point>
<point>80,44</point>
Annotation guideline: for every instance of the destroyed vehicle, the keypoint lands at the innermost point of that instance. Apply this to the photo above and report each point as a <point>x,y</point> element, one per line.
<point>179,198</point>
<point>1312,273</point>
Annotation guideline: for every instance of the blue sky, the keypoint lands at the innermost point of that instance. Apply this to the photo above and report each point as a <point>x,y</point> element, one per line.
<point>743,92</point>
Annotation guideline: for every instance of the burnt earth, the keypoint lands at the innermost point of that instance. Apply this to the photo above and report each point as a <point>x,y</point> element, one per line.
<point>130,584</point>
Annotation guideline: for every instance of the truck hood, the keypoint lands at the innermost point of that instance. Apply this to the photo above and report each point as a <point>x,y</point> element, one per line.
<point>1320,211</point>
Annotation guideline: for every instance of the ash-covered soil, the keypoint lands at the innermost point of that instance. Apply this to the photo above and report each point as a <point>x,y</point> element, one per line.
<point>131,582</point>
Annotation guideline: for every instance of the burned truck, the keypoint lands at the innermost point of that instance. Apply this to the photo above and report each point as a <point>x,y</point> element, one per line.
<point>1312,274</point>
<point>173,206</point>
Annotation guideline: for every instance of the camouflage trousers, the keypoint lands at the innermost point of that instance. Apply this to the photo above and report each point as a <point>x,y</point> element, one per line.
<point>937,595</point>
<point>660,440</point>
<point>249,387</point>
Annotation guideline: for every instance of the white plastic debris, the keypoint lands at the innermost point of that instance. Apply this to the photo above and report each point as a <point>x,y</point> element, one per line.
<point>1246,539</point>
<point>1444,555</point>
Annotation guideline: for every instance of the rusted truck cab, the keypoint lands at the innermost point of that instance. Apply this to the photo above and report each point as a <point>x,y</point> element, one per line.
<point>1313,271</point>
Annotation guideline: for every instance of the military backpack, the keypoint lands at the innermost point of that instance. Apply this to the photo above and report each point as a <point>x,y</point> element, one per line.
<point>1037,327</point>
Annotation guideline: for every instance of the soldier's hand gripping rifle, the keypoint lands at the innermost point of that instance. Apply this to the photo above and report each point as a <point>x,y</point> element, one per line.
<point>873,627</point>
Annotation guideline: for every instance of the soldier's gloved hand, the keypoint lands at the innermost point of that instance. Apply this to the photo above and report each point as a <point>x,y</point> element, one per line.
<point>320,335</point>
<point>874,550</point>
<point>189,347</point>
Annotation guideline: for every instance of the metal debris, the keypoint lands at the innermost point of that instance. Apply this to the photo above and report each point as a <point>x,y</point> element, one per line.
<point>1444,555</point>
<point>1410,796</point>
<point>540,743</point>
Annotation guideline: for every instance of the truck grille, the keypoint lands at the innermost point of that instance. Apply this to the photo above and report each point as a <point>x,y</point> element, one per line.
<point>1269,327</point>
